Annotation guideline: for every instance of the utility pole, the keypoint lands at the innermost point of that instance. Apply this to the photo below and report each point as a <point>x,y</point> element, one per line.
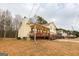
<point>35,33</point>
<point>34,22</point>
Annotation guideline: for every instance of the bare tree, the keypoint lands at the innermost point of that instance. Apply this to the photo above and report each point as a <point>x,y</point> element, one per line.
<point>1,23</point>
<point>17,22</point>
<point>6,21</point>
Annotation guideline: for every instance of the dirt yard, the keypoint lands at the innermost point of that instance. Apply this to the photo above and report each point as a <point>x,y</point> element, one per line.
<point>15,47</point>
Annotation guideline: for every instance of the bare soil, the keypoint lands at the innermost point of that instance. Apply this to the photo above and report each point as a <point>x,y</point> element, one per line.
<point>14,47</point>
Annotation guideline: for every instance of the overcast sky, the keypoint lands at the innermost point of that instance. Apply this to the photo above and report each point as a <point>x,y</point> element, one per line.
<point>64,15</point>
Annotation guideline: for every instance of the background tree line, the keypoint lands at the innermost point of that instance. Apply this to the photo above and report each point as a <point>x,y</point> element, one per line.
<point>9,24</point>
<point>69,32</point>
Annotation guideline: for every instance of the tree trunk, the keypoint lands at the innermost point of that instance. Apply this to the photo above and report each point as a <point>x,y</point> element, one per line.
<point>4,34</point>
<point>16,33</point>
<point>4,30</point>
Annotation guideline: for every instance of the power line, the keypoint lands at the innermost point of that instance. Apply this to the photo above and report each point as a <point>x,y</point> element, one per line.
<point>31,10</point>
<point>37,10</point>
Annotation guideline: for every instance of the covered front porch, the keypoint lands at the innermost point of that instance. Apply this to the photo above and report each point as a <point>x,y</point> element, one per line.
<point>40,31</point>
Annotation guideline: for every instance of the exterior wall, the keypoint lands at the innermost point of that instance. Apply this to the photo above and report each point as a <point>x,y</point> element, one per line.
<point>64,34</point>
<point>24,30</point>
<point>52,29</point>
